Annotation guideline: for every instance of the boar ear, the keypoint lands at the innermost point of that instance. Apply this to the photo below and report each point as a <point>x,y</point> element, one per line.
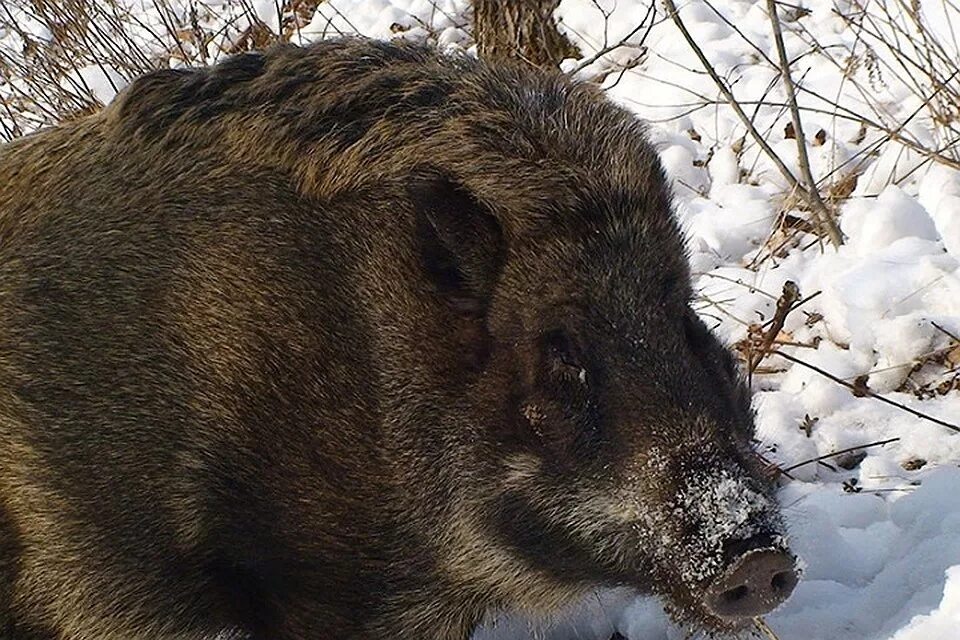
<point>460,242</point>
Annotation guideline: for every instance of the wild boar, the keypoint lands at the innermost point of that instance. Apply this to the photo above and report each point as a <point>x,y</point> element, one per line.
<point>360,340</point>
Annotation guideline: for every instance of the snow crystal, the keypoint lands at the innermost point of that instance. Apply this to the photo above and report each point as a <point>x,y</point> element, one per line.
<point>724,507</point>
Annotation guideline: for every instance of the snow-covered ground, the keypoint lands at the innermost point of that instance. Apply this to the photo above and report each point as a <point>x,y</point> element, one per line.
<point>878,530</point>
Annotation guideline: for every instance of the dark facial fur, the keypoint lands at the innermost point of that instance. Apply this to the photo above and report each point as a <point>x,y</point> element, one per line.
<point>353,341</point>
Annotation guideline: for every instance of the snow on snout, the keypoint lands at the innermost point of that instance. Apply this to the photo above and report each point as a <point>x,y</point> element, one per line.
<point>725,507</point>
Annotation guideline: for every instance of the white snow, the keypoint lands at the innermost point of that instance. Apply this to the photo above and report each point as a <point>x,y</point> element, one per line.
<point>943,621</point>
<point>881,541</point>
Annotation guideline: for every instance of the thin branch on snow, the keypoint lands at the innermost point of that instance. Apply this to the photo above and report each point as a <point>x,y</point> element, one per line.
<point>764,628</point>
<point>824,216</point>
<point>879,443</point>
<point>861,390</point>
<point>623,42</point>
<point>735,105</point>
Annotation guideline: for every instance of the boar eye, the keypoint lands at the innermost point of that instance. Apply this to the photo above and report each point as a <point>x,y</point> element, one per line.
<point>560,350</point>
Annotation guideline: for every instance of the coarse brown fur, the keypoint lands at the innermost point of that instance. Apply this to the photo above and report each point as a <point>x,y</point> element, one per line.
<point>348,341</point>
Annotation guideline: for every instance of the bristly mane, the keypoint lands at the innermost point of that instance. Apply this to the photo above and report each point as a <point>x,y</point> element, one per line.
<point>348,114</point>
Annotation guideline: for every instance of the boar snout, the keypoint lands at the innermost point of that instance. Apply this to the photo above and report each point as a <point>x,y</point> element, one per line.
<point>755,583</point>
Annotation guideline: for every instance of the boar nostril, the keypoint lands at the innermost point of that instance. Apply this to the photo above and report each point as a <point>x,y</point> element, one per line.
<point>756,583</point>
<point>735,595</point>
<point>783,581</point>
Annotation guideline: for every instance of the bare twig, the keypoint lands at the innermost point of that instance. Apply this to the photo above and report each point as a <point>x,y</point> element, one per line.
<point>861,390</point>
<point>949,334</point>
<point>764,628</point>
<point>785,304</point>
<point>827,222</point>
<point>827,456</point>
<point>624,41</point>
<point>735,105</point>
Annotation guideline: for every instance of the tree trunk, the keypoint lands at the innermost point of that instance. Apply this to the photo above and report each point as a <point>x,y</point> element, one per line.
<point>520,30</point>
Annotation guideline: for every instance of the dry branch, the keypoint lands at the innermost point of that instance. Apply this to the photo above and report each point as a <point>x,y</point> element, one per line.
<point>764,628</point>
<point>795,185</point>
<point>785,304</point>
<point>827,456</point>
<point>824,216</point>
<point>623,42</point>
<point>862,390</point>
